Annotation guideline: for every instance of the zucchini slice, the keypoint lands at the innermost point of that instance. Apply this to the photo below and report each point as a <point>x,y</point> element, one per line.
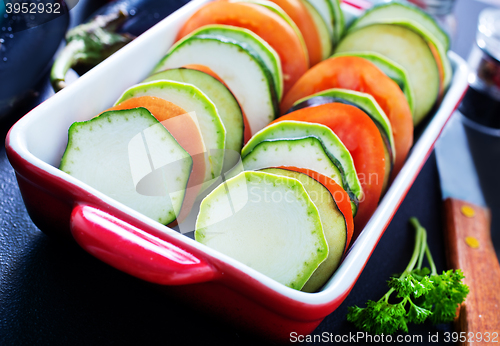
<point>331,145</point>
<point>438,50</point>
<point>241,69</point>
<point>338,20</point>
<point>245,218</point>
<point>332,220</point>
<point>322,29</point>
<point>227,106</point>
<point>395,10</point>
<point>392,70</point>
<point>253,42</point>
<point>191,99</point>
<point>367,104</point>
<point>406,47</point>
<point>325,10</point>
<point>305,152</point>
<point>131,157</point>
<point>279,11</point>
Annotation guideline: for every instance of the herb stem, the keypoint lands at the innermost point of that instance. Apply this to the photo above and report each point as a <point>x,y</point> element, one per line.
<point>431,261</point>
<point>423,240</point>
<point>430,296</point>
<point>387,295</point>
<point>423,247</point>
<point>417,249</point>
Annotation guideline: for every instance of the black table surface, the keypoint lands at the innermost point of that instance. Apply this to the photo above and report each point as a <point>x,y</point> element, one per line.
<point>56,294</point>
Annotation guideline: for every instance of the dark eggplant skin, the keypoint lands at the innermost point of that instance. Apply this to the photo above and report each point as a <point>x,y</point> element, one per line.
<point>321,100</point>
<point>108,30</point>
<point>142,14</point>
<point>318,101</point>
<point>25,56</point>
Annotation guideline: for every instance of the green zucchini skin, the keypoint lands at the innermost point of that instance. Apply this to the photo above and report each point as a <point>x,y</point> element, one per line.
<point>332,146</point>
<point>227,106</point>
<point>242,70</point>
<point>322,29</point>
<point>405,45</point>
<point>307,151</point>
<point>339,20</point>
<point>326,12</point>
<point>368,105</point>
<point>245,218</point>
<point>397,10</point>
<point>191,99</point>
<point>131,157</point>
<point>251,42</point>
<point>333,221</point>
<point>393,70</point>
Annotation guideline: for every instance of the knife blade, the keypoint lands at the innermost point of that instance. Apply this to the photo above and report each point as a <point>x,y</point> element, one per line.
<point>467,233</point>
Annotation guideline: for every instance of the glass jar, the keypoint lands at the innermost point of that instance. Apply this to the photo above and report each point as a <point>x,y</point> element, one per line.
<point>481,102</point>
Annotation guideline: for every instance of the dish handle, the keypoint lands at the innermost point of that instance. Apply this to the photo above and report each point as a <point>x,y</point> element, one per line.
<point>136,252</point>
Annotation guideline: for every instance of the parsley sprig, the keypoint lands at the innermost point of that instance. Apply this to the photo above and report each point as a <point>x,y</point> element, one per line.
<point>420,294</point>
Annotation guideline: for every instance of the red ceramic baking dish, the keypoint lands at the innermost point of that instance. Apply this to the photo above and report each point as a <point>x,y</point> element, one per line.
<point>62,206</point>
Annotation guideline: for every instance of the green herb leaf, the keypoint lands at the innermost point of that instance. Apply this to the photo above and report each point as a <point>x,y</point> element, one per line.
<point>410,286</point>
<point>379,317</point>
<point>422,292</point>
<point>447,294</point>
<point>417,314</point>
<point>419,274</point>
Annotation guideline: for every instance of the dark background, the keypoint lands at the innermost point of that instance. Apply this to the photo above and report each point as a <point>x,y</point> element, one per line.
<point>56,294</point>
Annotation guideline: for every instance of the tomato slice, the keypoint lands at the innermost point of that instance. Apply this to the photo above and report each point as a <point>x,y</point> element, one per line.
<point>362,138</point>
<point>359,74</point>
<point>339,195</point>
<point>185,132</point>
<point>247,132</point>
<point>263,22</point>
<point>300,16</point>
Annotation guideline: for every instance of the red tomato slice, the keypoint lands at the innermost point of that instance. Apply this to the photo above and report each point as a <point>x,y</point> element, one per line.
<point>301,16</point>
<point>362,138</point>
<point>358,74</point>
<point>339,195</point>
<point>268,25</point>
<point>185,132</point>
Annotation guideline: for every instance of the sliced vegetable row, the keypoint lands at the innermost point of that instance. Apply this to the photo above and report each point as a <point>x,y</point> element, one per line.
<point>319,146</point>
<point>411,39</point>
<point>350,117</point>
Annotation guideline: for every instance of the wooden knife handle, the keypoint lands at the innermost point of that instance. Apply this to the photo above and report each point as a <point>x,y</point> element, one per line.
<point>469,247</point>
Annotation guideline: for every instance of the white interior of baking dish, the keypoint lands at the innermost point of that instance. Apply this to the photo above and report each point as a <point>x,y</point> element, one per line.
<point>41,137</point>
